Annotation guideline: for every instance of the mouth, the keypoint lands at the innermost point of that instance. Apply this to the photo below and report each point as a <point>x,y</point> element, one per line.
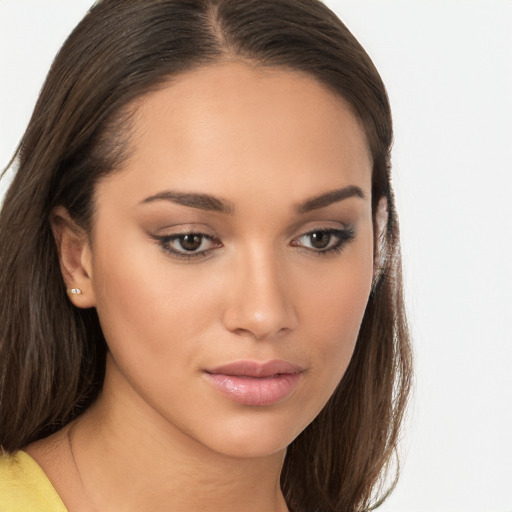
<point>255,384</point>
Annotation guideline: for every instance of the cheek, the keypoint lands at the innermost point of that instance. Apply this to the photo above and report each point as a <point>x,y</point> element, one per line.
<point>345,307</point>
<point>145,306</point>
<point>335,307</point>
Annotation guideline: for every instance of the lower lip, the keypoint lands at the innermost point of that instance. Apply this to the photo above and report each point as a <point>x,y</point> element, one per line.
<point>255,391</point>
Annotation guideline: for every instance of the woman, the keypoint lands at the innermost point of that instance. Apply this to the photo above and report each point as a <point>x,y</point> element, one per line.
<point>200,273</point>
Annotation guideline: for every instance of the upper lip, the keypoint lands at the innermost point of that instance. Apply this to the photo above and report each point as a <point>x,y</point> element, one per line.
<point>256,369</point>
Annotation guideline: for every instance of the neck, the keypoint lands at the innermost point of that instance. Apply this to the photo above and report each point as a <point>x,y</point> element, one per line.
<point>128,458</point>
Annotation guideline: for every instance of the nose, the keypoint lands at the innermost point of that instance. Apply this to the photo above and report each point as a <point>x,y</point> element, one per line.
<point>260,303</point>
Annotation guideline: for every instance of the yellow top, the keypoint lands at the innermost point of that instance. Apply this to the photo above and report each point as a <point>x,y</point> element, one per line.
<point>24,487</point>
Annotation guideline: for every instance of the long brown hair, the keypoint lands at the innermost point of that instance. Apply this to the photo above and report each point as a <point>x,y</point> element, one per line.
<point>52,354</point>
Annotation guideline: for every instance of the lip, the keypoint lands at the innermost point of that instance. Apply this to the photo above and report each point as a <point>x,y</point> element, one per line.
<point>255,384</point>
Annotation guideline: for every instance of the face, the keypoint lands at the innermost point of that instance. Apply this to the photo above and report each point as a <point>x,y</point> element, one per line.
<point>231,256</point>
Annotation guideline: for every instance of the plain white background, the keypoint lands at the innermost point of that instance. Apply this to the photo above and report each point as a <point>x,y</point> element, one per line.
<point>448,69</point>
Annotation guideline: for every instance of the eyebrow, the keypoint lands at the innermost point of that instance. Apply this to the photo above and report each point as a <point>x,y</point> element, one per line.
<point>212,203</point>
<point>200,201</point>
<point>328,198</point>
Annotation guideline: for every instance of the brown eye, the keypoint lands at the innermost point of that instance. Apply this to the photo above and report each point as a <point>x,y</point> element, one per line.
<point>325,241</point>
<point>190,242</point>
<point>320,239</point>
<point>189,245</point>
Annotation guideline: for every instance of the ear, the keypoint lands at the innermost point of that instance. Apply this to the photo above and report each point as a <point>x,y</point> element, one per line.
<point>75,257</point>
<point>380,226</point>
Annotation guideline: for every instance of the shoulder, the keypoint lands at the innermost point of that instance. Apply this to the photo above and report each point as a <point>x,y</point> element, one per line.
<point>24,487</point>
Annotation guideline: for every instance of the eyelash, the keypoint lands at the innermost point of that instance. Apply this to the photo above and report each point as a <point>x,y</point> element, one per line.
<point>166,241</point>
<point>344,236</point>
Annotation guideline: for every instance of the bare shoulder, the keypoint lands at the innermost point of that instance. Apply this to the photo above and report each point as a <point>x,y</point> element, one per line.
<point>50,451</point>
<point>54,456</point>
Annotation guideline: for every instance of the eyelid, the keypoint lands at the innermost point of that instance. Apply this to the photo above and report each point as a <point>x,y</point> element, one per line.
<point>344,235</point>
<point>165,240</point>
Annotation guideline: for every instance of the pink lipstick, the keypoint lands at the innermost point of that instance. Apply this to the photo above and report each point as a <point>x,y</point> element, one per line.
<point>255,384</point>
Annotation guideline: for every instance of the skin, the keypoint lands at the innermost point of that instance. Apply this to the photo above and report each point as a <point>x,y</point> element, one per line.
<point>160,436</point>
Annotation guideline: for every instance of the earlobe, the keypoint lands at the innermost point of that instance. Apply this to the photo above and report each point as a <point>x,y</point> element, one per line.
<point>380,226</point>
<point>73,249</point>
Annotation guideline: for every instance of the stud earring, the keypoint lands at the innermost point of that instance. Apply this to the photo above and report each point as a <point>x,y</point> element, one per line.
<point>75,291</point>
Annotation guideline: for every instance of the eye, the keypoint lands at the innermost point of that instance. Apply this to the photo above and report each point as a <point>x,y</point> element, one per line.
<point>191,242</point>
<point>324,240</point>
<point>188,245</point>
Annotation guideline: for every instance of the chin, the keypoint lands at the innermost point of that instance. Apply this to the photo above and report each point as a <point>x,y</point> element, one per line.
<point>256,434</point>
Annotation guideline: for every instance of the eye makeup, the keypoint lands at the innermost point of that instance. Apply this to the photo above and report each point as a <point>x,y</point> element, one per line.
<point>325,242</point>
<point>188,245</point>
<point>193,244</point>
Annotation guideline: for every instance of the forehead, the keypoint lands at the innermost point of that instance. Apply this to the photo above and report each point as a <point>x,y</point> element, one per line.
<point>239,124</point>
